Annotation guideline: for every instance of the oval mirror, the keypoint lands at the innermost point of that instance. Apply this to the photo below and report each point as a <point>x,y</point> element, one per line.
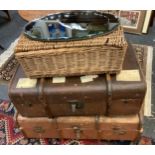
<point>73,25</point>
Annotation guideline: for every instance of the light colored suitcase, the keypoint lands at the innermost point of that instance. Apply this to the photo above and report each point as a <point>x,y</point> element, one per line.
<point>105,128</point>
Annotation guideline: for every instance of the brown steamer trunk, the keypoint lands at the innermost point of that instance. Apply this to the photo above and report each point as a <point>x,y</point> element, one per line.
<point>109,128</point>
<point>103,96</point>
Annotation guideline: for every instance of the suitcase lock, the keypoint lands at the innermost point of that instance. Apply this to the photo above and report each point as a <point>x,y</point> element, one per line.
<point>75,105</point>
<point>77,131</point>
<point>38,129</point>
<point>118,130</point>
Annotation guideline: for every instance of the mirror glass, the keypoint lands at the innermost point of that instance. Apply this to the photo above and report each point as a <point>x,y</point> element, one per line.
<point>73,25</point>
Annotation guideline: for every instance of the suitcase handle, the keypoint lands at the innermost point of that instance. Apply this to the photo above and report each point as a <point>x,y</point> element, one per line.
<point>75,104</point>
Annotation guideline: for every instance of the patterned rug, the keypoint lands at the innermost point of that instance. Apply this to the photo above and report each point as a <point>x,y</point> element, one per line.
<point>11,135</point>
<point>8,62</point>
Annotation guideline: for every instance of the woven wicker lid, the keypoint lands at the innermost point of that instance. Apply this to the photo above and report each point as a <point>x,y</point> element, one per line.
<point>116,38</point>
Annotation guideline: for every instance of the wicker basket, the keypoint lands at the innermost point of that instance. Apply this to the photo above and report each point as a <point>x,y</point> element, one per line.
<point>91,56</point>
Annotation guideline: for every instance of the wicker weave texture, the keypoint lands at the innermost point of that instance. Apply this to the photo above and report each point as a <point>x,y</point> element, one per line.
<point>92,56</point>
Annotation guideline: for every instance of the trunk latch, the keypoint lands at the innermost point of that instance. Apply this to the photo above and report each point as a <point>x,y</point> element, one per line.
<point>75,105</point>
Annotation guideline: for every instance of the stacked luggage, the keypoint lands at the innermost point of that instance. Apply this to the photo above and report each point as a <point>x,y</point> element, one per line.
<point>105,105</point>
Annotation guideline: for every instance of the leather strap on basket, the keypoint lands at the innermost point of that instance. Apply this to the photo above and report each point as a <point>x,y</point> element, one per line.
<point>109,93</point>
<point>42,98</point>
